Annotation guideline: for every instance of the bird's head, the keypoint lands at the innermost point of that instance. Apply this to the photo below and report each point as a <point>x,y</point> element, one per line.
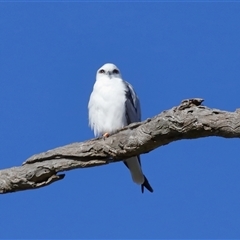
<point>108,70</point>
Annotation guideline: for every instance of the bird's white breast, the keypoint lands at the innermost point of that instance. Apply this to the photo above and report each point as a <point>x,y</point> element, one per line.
<point>107,106</point>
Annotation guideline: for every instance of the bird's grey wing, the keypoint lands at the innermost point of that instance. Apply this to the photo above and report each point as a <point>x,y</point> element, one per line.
<point>132,105</point>
<point>133,114</point>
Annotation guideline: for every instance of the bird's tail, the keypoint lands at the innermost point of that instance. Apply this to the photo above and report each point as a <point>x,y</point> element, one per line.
<point>146,185</point>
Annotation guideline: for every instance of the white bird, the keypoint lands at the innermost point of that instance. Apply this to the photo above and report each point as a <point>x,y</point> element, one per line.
<point>114,104</point>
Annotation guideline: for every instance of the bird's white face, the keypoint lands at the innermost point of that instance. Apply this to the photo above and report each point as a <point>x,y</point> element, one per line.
<point>108,70</point>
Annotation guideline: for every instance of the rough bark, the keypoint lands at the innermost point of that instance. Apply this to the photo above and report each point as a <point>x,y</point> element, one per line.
<point>189,120</point>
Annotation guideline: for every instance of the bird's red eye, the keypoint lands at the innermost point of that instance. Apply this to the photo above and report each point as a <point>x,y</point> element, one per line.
<point>115,71</point>
<point>101,71</point>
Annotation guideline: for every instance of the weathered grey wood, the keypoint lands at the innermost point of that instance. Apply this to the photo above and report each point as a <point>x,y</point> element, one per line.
<point>189,120</point>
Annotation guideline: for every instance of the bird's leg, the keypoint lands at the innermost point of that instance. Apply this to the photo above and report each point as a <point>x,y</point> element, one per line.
<point>105,135</point>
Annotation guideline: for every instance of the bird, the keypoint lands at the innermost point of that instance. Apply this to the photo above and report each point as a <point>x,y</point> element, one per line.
<point>114,104</point>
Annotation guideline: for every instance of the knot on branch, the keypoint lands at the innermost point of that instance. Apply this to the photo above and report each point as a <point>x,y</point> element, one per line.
<point>188,103</point>
<point>39,177</point>
<point>41,174</point>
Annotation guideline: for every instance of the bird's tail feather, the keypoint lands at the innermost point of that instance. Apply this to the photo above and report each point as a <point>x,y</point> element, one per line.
<point>146,185</point>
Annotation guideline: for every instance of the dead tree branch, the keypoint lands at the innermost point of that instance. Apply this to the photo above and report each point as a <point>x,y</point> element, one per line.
<point>189,120</point>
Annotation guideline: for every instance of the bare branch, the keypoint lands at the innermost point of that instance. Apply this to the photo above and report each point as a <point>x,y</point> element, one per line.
<point>189,120</point>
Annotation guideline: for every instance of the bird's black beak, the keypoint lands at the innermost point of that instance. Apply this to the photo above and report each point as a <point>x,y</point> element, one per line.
<point>109,74</point>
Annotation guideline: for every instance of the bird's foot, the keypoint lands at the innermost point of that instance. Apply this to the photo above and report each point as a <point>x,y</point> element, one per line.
<point>106,135</point>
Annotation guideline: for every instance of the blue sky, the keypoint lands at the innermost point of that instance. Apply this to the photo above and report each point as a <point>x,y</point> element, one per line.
<point>169,51</point>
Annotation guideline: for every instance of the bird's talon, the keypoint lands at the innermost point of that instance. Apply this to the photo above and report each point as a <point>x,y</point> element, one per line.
<point>105,135</point>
